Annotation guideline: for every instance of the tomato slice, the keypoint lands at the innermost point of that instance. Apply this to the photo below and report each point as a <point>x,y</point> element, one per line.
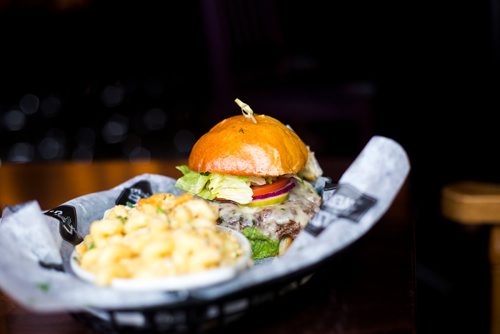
<point>271,187</point>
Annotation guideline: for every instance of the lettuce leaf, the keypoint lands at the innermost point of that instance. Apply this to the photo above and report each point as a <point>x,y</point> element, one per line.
<point>193,182</point>
<point>234,188</point>
<point>262,246</point>
<point>210,185</point>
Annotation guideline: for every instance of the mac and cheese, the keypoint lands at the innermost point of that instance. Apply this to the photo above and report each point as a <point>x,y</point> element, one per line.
<point>163,235</point>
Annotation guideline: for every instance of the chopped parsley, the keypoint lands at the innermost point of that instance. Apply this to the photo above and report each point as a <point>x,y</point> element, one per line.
<point>43,286</point>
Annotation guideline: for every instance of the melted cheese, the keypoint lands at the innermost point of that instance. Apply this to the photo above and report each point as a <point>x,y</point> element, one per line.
<point>302,204</point>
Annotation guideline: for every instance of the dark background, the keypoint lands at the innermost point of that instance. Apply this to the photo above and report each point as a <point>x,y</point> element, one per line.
<point>90,80</point>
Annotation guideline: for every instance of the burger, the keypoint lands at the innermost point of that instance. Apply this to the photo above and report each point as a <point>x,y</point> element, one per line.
<point>256,171</point>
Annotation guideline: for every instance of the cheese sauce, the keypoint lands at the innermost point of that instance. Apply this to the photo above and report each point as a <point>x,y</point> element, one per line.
<point>275,221</point>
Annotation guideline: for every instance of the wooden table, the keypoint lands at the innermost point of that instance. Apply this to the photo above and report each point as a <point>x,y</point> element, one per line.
<point>368,288</point>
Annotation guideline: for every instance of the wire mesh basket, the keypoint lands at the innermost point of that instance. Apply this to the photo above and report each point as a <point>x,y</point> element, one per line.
<point>194,315</point>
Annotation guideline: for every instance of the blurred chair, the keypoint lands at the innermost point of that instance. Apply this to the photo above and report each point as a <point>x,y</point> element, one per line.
<point>474,203</point>
<point>250,57</point>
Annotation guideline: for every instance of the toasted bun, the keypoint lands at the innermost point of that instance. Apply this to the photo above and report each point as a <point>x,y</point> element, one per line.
<point>238,146</point>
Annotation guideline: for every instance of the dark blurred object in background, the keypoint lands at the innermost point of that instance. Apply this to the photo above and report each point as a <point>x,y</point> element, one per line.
<point>91,80</point>
<point>114,80</point>
<point>108,81</point>
<point>295,63</point>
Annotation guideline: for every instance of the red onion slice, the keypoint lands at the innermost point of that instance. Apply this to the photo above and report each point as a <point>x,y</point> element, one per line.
<point>289,186</point>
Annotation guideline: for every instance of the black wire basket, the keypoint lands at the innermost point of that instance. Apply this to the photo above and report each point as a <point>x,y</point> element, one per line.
<point>195,315</point>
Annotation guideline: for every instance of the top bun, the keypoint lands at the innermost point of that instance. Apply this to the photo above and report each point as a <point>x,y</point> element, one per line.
<point>238,146</point>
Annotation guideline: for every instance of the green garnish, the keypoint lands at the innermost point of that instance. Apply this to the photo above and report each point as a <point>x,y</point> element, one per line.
<point>210,185</point>
<point>44,287</point>
<point>262,246</point>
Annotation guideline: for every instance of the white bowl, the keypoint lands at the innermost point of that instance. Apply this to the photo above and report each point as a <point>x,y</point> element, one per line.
<point>180,282</point>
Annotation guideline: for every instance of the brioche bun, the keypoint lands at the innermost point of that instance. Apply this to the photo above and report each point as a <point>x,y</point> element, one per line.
<point>238,146</point>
